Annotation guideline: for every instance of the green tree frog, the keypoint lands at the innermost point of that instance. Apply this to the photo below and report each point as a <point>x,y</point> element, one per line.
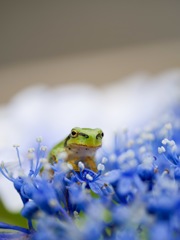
<point>79,146</point>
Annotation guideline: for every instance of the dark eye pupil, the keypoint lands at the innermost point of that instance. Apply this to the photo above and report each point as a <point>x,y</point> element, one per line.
<point>102,134</point>
<point>73,133</point>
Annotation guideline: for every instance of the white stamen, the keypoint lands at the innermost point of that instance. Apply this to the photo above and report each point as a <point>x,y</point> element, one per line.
<point>132,163</point>
<point>100,167</point>
<point>81,165</point>
<point>43,148</point>
<point>64,167</point>
<point>104,160</point>
<point>83,185</point>
<point>76,214</point>
<point>165,141</point>
<point>174,148</point>
<point>142,149</point>
<point>31,150</point>
<point>30,155</point>
<point>16,145</point>
<point>172,143</point>
<point>112,157</point>
<point>21,173</point>
<point>148,160</point>
<point>106,174</point>
<point>147,136</point>
<point>62,156</point>
<point>121,158</point>
<point>130,153</point>
<point>47,166</point>
<point>69,166</point>
<point>53,202</point>
<point>168,126</point>
<point>130,143</point>
<point>88,176</point>
<point>139,141</point>
<point>161,149</point>
<point>39,139</point>
<point>43,160</point>
<point>2,164</point>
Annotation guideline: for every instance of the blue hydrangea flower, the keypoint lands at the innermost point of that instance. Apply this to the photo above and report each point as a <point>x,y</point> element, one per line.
<point>134,195</point>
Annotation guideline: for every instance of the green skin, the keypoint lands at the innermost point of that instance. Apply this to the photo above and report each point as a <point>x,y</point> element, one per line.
<point>79,146</point>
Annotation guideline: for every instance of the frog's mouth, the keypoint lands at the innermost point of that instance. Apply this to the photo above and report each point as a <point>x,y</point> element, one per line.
<point>82,150</point>
<point>81,146</point>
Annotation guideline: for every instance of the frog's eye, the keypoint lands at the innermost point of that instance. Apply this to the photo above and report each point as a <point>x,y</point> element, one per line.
<point>100,135</point>
<point>74,133</point>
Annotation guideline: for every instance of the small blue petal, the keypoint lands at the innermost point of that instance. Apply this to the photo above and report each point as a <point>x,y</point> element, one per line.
<point>29,210</point>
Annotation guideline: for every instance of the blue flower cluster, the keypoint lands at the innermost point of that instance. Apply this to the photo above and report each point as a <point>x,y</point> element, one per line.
<point>134,195</point>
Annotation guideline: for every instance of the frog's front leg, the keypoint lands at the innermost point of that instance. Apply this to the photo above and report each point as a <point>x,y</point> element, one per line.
<point>74,162</point>
<point>89,162</point>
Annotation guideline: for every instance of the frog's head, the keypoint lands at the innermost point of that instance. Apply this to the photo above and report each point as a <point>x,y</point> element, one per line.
<point>84,137</point>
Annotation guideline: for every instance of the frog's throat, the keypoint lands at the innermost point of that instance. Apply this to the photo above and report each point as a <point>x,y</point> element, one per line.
<point>81,146</point>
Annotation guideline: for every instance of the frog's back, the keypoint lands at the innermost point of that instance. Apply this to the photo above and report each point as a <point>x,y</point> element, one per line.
<point>55,151</point>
